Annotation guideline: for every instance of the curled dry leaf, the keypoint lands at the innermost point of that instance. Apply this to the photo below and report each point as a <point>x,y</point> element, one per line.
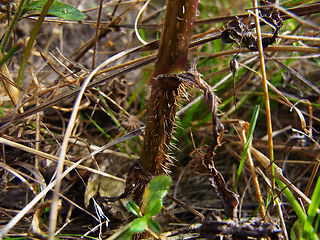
<point>12,89</point>
<point>202,163</point>
<point>106,187</point>
<point>193,77</point>
<point>239,29</point>
<point>35,229</point>
<point>228,198</point>
<point>136,180</point>
<point>203,158</point>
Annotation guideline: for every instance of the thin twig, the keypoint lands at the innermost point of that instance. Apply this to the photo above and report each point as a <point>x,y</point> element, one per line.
<point>62,155</point>
<point>96,38</point>
<point>242,135</point>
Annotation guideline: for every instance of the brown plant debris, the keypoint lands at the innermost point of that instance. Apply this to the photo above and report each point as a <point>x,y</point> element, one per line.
<point>239,29</point>
<point>213,226</point>
<point>202,161</point>
<point>193,77</point>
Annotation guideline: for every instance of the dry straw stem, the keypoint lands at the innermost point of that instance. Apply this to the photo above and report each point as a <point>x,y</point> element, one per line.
<point>278,48</point>
<point>56,159</point>
<point>96,37</point>
<point>63,149</point>
<point>267,106</point>
<point>75,165</point>
<point>241,130</point>
<point>266,163</point>
<point>265,89</point>
<point>142,9</point>
<point>294,16</point>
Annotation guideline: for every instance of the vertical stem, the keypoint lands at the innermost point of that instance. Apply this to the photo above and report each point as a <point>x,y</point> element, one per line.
<point>172,58</point>
<point>96,38</point>
<point>265,90</point>
<point>16,17</point>
<point>32,38</point>
<point>253,173</point>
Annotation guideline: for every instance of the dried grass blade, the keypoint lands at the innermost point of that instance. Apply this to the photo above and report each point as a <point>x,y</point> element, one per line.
<point>265,89</point>
<point>265,162</point>
<point>67,162</point>
<point>247,143</point>
<point>298,76</point>
<point>63,149</point>
<point>301,117</point>
<point>10,86</point>
<point>19,176</point>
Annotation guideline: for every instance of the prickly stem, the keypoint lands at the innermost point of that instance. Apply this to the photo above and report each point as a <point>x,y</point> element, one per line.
<point>172,59</point>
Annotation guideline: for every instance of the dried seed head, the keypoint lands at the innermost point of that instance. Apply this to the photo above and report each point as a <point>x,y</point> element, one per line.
<point>234,65</point>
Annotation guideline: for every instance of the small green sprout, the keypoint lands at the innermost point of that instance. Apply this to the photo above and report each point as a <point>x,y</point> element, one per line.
<point>152,205</point>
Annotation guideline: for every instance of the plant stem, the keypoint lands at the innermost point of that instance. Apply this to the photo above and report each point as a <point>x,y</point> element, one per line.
<point>13,22</point>
<point>31,40</point>
<point>173,53</point>
<point>265,90</point>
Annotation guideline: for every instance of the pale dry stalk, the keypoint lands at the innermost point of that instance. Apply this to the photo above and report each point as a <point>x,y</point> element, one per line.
<point>241,130</point>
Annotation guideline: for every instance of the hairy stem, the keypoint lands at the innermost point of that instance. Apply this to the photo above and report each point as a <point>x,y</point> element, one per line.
<point>172,59</point>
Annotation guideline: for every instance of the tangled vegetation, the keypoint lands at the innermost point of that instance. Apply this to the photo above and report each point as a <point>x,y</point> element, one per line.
<point>149,120</point>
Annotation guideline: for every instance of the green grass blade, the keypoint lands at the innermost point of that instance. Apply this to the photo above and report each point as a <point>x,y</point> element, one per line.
<point>294,203</point>
<point>10,53</point>
<point>311,234</point>
<point>15,19</point>
<point>106,134</point>
<point>313,210</point>
<point>247,144</point>
<point>32,38</point>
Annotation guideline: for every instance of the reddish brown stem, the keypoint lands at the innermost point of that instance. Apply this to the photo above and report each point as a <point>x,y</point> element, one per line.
<point>172,59</point>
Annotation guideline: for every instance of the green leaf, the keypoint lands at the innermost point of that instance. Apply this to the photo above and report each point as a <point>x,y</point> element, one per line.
<point>153,207</point>
<point>126,235</point>
<point>138,225</point>
<point>134,208</point>
<point>313,209</point>
<point>296,230</point>
<point>157,188</point>
<point>160,183</point>
<point>155,226</point>
<point>58,9</point>
<point>247,144</point>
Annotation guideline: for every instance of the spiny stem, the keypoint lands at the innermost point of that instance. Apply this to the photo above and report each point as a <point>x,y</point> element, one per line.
<point>173,52</point>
